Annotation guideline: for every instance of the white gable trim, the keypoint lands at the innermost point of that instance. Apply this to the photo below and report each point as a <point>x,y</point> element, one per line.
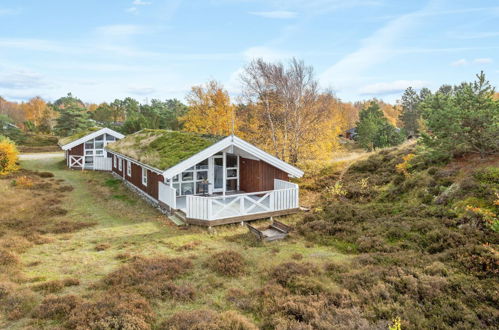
<point>225,143</point>
<point>92,135</point>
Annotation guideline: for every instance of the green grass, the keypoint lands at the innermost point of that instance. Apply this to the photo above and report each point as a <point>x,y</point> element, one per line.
<point>131,226</point>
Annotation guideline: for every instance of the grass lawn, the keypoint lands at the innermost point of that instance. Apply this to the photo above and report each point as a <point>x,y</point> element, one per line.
<point>126,226</point>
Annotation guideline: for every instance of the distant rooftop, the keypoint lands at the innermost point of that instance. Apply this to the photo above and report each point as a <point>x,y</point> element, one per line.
<point>162,149</point>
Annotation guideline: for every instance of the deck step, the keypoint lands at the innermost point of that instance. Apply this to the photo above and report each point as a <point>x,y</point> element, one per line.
<point>176,220</point>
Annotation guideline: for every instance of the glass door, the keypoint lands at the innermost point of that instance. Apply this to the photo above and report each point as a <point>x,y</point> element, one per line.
<point>218,173</point>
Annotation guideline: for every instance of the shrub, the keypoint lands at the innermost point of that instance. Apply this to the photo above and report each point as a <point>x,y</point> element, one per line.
<point>16,303</point>
<point>56,285</point>
<point>285,274</point>
<point>228,263</point>
<point>45,174</point>
<point>8,258</point>
<point>207,319</point>
<point>178,292</point>
<point>8,156</point>
<point>148,276</point>
<point>112,311</point>
<point>53,307</point>
<point>102,246</point>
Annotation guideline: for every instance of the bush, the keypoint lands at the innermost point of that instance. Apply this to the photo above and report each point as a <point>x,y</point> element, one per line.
<point>102,246</point>
<point>8,258</point>
<point>8,156</point>
<point>112,311</point>
<point>16,303</point>
<point>228,263</point>
<point>53,307</point>
<point>207,319</point>
<point>148,277</point>
<point>56,285</point>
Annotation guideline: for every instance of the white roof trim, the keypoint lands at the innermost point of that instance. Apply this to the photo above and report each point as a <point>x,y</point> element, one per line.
<point>92,135</point>
<point>241,144</point>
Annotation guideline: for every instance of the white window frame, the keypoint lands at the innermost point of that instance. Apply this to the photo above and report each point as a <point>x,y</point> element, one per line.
<point>114,161</point>
<point>120,164</point>
<point>129,168</point>
<point>144,176</point>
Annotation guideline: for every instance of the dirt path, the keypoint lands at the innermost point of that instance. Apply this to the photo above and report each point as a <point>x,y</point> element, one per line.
<point>41,155</point>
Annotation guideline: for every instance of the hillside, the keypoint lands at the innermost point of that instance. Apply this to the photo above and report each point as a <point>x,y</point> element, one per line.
<point>379,245</point>
<point>423,239</point>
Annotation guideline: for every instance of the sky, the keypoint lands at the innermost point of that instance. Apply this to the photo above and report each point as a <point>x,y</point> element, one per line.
<point>102,50</point>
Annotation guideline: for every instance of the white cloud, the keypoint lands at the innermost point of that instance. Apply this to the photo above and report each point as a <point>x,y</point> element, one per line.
<point>394,87</point>
<point>376,49</point>
<point>141,3</point>
<point>482,60</point>
<point>120,30</point>
<point>279,14</point>
<point>460,62</point>
<point>21,79</point>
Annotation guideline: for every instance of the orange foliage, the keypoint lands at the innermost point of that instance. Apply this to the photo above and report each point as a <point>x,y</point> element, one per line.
<point>210,110</point>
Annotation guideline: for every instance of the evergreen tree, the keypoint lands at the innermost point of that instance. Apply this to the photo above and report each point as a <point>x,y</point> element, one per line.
<point>411,113</point>
<point>463,119</point>
<point>72,119</point>
<point>374,130</point>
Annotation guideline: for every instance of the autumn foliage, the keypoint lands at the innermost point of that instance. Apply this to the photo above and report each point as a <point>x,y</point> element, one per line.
<point>8,156</point>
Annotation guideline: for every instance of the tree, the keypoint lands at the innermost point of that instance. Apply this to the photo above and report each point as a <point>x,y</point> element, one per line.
<point>72,119</point>
<point>374,130</point>
<point>411,113</point>
<point>210,110</point>
<point>8,156</point>
<point>463,119</point>
<point>292,111</point>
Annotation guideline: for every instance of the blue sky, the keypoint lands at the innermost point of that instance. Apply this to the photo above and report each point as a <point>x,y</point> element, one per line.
<point>102,50</point>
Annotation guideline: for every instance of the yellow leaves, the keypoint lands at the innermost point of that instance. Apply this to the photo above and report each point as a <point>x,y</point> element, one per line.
<point>8,156</point>
<point>404,167</point>
<point>210,110</point>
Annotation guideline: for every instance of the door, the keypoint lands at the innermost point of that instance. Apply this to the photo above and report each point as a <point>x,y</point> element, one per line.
<point>216,173</point>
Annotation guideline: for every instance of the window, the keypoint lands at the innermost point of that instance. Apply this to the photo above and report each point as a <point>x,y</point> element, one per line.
<point>129,168</point>
<point>144,176</point>
<point>120,164</point>
<point>114,161</point>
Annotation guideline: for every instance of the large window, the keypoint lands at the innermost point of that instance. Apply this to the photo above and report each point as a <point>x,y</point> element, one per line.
<point>193,180</point>
<point>128,168</point>
<point>120,164</point>
<point>95,148</point>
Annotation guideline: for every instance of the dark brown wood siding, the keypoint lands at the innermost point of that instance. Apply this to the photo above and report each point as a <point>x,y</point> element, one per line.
<point>116,169</point>
<point>136,177</point>
<point>257,175</point>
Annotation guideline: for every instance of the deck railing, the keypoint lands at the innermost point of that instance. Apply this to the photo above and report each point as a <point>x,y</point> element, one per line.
<point>284,197</point>
<point>167,195</point>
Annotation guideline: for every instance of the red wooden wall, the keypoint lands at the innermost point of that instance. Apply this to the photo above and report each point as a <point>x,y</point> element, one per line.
<point>257,175</point>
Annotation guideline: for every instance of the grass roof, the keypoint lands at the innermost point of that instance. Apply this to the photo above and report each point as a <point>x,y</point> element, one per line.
<point>163,149</point>
<point>74,137</point>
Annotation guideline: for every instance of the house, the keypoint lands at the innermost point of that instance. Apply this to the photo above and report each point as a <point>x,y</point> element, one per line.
<point>86,150</point>
<point>351,133</point>
<point>204,179</point>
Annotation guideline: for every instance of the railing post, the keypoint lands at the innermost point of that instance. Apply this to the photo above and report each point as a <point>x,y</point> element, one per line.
<point>210,209</point>
<point>272,199</point>
<point>241,205</point>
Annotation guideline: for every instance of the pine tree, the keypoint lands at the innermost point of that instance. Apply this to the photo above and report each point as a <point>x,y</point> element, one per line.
<point>374,130</point>
<point>72,119</point>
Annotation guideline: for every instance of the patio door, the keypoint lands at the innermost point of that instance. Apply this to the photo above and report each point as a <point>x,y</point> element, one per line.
<point>216,164</point>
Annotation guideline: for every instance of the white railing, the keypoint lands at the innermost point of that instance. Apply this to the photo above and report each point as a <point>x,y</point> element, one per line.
<point>221,207</point>
<point>292,196</point>
<point>102,164</point>
<point>167,195</point>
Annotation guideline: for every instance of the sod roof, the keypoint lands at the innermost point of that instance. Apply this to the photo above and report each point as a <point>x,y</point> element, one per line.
<point>77,136</point>
<point>162,149</point>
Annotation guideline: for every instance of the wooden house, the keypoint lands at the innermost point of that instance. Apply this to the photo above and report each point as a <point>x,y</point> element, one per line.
<point>204,179</point>
<point>86,150</point>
